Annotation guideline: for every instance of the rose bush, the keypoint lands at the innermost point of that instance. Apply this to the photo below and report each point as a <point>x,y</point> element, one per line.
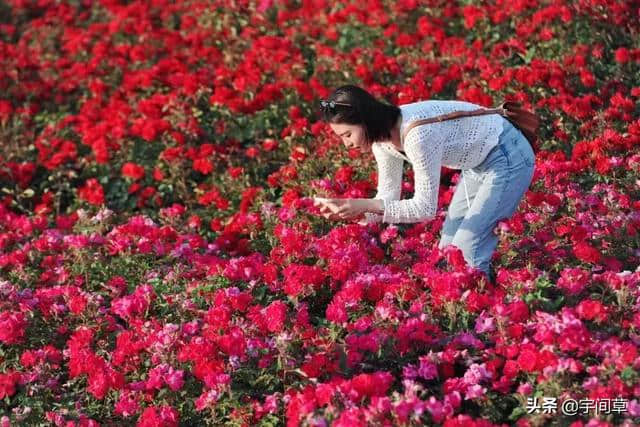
<point>161,263</point>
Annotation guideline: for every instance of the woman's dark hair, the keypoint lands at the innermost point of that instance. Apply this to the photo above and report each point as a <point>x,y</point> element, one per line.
<point>376,117</point>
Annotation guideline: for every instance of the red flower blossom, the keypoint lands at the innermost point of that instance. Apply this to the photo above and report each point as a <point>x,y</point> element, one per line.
<point>164,416</point>
<point>248,198</point>
<point>92,192</point>
<point>77,304</point>
<point>203,165</point>
<point>133,171</point>
<point>592,310</point>
<point>5,110</point>
<point>518,311</point>
<point>622,55</point>
<point>269,144</point>
<point>528,360</point>
<point>213,196</point>
<point>587,253</point>
<point>235,172</point>
<point>298,278</point>
<point>336,310</point>
<point>276,313</point>
<point>370,385</point>
<point>8,383</point>
<point>471,15</point>
<point>12,327</point>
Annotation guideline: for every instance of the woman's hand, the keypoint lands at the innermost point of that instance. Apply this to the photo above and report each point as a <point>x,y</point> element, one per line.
<point>342,209</point>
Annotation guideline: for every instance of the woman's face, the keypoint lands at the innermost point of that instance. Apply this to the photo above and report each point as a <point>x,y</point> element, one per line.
<point>352,135</point>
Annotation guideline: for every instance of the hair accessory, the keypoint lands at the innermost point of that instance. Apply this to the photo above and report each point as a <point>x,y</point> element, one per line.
<point>332,104</point>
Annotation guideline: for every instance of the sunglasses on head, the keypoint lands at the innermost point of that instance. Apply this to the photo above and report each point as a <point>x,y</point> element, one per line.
<point>332,104</point>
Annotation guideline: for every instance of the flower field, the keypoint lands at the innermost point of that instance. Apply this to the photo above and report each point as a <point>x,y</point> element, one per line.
<point>161,263</point>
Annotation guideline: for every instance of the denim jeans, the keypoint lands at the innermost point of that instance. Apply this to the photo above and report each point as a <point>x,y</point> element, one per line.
<point>494,189</point>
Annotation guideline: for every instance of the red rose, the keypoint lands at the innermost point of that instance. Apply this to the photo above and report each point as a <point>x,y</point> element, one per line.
<point>8,383</point>
<point>584,252</point>
<point>622,55</point>
<point>510,369</point>
<point>372,384</point>
<point>203,166</point>
<point>133,171</point>
<point>592,309</point>
<point>77,304</point>
<point>518,311</point>
<point>92,192</point>
<point>276,314</point>
<point>527,360</point>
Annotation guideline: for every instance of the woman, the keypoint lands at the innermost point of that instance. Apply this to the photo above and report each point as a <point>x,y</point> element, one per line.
<point>495,158</point>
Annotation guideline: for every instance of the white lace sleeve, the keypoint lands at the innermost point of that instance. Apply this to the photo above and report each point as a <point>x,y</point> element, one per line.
<point>424,150</point>
<point>389,179</point>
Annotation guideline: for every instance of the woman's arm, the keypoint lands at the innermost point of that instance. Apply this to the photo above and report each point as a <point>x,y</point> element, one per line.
<point>389,174</point>
<point>424,150</point>
<point>389,182</point>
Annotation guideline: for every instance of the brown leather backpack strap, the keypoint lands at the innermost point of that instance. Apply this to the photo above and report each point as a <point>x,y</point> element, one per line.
<point>451,116</point>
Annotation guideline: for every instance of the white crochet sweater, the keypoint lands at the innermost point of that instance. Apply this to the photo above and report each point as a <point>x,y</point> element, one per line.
<point>457,144</point>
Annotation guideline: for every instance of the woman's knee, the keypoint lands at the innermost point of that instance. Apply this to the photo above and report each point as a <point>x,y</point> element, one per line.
<point>477,246</point>
<point>465,240</point>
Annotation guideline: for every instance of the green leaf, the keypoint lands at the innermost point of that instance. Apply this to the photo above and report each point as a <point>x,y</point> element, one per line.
<point>628,374</point>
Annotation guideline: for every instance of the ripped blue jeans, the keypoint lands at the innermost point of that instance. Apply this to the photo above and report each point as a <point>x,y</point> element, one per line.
<point>486,194</point>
